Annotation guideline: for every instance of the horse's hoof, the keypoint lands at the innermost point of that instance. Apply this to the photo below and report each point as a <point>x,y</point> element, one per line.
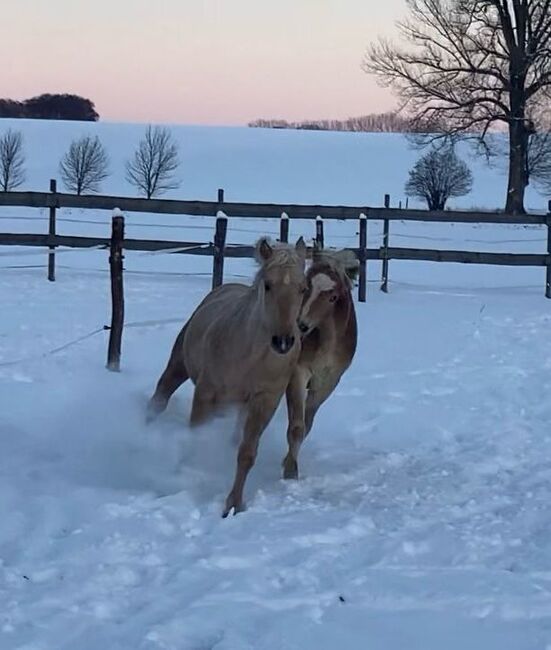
<point>290,470</point>
<point>153,410</point>
<point>236,507</point>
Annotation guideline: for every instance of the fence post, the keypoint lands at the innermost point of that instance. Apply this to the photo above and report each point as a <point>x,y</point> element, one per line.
<point>220,195</point>
<point>219,245</point>
<point>384,273</point>
<point>319,232</point>
<point>284,228</point>
<point>362,288</point>
<point>51,233</point>
<point>548,270</point>
<point>117,292</point>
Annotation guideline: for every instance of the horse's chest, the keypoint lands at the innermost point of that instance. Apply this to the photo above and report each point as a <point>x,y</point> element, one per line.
<point>263,373</point>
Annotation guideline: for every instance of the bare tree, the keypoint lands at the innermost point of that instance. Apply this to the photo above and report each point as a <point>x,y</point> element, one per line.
<point>85,165</point>
<point>152,167</point>
<point>539,146</point>
<point>538,155</point>
<point>12,160</point>
<point>437,176</point>
<point>472,65</point>
<point>539,160</point>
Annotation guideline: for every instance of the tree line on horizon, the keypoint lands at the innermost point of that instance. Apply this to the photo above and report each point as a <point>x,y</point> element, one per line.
<point>50,106</point>
<point>388,122</point>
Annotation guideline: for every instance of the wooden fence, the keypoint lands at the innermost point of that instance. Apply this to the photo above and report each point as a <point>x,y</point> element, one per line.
<point>219,250</point>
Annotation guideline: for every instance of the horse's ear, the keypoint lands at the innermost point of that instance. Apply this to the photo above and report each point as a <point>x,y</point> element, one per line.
<point>352,270</point>
<point>349,263</point>
<point>301,247</point>
<point>263,250</point>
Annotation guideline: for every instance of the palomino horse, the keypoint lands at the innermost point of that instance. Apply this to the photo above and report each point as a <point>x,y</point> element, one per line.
<point>240,346</point>
<point>328,324</point>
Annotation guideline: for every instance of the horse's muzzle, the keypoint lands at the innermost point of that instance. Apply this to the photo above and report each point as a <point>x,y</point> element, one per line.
<point>282,344</point>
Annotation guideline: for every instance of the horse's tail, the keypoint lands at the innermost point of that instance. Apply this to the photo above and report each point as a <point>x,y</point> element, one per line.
<point>174,375</point>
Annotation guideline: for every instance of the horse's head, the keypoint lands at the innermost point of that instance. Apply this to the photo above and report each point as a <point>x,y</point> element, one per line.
<point>281,285</point>
<point>329,282</point>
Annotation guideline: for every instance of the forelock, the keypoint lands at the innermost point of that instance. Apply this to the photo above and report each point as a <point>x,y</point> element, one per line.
<point>284,255</point>
<point>322,282</point>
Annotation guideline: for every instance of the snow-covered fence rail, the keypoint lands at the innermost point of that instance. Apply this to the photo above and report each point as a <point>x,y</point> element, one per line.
<point>244,251</point>
<point>255,210</point>
<point>219,250</point>
<point>146,245</point>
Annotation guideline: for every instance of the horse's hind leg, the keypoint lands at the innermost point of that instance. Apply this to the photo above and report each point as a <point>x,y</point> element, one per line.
<point>203,405</point>
<point>173,377</point>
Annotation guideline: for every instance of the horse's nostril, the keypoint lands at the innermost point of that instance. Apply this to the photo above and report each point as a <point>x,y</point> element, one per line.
<point>290,341</point>
<point>303,327</point>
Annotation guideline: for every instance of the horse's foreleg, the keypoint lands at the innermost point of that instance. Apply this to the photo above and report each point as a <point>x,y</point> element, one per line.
<point>295,395</point>
<point>259,413</point>
<point>174,375</point>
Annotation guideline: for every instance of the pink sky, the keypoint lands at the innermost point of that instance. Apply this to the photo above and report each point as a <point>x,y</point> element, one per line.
<point>199,61</point>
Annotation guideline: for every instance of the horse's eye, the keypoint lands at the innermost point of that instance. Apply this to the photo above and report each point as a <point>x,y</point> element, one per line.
<point>267,287</point>
<point>333,299</point>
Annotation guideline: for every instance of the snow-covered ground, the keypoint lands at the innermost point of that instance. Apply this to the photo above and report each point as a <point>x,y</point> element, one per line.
<point>422,518</point>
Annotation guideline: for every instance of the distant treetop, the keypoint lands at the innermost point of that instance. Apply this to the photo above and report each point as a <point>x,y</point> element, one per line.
<point>50,107</point>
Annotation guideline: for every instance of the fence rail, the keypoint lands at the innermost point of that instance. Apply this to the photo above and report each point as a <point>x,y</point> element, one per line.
<point>244,251</point>
<point>219,249</point>
<point>255,210</point>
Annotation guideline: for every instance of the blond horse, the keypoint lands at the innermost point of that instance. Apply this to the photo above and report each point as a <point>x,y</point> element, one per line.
<point>240,346</point>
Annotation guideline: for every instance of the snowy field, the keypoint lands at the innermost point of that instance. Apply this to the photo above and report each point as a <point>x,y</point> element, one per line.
<point>422,518</point>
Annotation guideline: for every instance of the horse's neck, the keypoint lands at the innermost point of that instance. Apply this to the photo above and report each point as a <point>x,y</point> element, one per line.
<point>334,328</point>
<point>347,310</point>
